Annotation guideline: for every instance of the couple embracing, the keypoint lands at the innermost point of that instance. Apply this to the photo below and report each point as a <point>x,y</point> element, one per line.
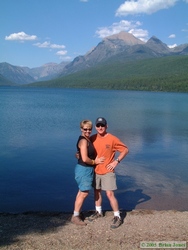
<point>95,168</point>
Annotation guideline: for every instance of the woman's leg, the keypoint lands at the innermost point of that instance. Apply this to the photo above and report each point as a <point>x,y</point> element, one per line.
<point>80,200</point>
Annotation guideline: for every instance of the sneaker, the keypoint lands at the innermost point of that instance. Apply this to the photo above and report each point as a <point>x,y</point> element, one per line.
<point>76,220</point>
<point>95,216</point>
<point>82,217</point>
<point>116,222</point>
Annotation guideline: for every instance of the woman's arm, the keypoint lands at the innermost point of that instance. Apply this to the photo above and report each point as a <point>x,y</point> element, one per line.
<point>83,145</point>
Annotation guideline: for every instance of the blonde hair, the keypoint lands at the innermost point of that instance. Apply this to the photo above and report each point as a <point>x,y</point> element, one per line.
<point>86,122</point>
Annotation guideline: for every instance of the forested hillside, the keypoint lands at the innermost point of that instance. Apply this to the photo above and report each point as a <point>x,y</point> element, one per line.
<point>158,74</point>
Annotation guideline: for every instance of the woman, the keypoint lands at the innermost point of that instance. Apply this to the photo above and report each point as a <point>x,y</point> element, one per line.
<point>84,170</point>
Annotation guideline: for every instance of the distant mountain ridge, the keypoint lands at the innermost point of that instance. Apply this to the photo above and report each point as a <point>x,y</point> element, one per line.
<point>4,81</point>
<point>121,47</point>
<point>25,75</point>
<point>15,74</point>
<point>107,48</point>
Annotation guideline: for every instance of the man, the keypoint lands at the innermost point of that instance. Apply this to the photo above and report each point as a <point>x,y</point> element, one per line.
<point>107,145</point>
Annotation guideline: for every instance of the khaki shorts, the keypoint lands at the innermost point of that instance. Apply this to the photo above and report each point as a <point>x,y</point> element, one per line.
<point>105,182</point>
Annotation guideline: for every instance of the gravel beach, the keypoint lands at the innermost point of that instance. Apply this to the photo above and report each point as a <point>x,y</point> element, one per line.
<point>54,231</point>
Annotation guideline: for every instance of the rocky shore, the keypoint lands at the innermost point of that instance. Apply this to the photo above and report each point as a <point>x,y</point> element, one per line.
<point>54,231</point>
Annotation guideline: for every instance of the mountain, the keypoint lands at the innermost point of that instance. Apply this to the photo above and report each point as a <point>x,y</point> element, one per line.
<point>116,49</point>
<point>184,51</point>
<point>121,47</point>
<point>15,74</point>
<point>157,46</point>
<point>180,48</point>
<point>25,75</point>
<point>167,73</point>
<point>5,82</point>
<point>46,71</point>
<point>107,48</point>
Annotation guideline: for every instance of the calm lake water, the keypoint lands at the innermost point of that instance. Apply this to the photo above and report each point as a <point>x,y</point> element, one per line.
<point>39,128</point>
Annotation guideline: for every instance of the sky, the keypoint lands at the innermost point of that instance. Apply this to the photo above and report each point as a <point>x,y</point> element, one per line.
<point>36,32</point>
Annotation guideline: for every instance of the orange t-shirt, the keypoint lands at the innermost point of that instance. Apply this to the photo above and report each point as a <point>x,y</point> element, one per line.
<point>106,146</point>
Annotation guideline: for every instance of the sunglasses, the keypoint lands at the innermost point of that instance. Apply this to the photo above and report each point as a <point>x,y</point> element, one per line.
<point>87,129</point>
<point>100,125</point>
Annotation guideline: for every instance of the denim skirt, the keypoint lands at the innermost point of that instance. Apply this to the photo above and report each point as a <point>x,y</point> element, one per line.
<point>84,177</point>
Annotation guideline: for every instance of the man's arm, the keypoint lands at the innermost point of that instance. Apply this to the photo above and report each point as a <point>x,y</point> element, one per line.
<point>122,155</point>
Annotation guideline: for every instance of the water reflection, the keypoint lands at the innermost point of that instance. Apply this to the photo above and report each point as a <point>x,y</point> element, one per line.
<point>39,129</point>
<point>129,200</point>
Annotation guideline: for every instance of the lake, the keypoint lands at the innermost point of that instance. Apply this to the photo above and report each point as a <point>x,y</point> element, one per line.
<point>39,128</point>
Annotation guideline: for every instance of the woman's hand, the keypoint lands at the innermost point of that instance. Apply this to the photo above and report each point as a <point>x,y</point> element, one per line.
<point>99,160</point>
<point>77,155</point>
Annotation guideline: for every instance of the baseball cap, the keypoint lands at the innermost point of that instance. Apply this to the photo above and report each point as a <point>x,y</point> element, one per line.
<point>101,120</point>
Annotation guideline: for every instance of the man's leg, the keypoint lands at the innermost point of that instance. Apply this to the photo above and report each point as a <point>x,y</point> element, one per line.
<point>114,204</point>
<point>98,205</point>
<point>98,197</point>
<point>113,200</point>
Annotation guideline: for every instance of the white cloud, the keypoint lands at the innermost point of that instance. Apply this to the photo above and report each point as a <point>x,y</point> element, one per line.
<point>57,46</point>
<point>20,36</point>
<point>65,58</point>
<point>49,45</point>
<point>123,25</point>
<point>115,28</point>
<point>172,46</point>
<point>42,45</point>
<point>61,52</point>
<point>84,1</point>
<point>172,36</point>
<point>140,33</point>
<point>133,7</point>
